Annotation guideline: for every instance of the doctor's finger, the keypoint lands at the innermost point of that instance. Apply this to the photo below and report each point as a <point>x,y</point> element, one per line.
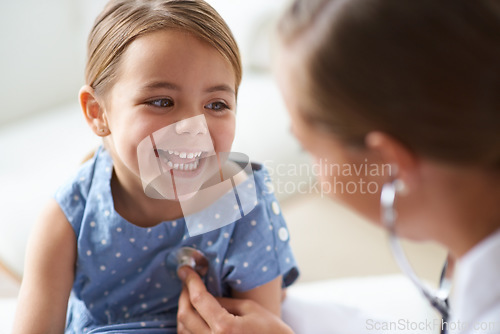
<point>241,307</point>
<point>188,319</point>
<point>207,306</point>
<point>181,329</point>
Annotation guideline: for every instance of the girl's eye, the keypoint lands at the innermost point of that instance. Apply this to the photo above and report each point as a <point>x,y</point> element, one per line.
<point>161,103</point>
<point>217,106</point>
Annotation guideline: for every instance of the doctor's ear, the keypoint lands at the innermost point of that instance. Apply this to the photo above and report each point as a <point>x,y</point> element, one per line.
<point>403,161</point>
<point>93,111</point>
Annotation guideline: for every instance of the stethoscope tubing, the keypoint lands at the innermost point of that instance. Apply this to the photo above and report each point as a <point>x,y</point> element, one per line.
<point>438,299</point>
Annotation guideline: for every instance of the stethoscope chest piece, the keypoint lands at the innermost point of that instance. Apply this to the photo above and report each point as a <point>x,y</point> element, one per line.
<point>188,256</point>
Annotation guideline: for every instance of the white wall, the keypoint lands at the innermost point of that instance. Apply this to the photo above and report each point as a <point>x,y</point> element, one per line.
<point>40,64</point>
<point>43,46</point>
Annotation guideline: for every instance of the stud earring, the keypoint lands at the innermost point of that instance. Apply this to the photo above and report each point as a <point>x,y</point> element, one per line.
<point>400,187</point>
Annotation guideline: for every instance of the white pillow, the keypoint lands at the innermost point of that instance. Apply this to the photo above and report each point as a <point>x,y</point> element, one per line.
<point>370,305</point>
<point>7,311</point>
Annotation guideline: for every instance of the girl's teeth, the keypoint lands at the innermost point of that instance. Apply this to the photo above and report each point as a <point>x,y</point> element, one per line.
<point>185,155</point>
<point>190,166</point>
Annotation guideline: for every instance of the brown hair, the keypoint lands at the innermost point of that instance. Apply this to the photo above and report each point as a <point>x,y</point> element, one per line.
<point>122,21</point>
<point>426,72</point>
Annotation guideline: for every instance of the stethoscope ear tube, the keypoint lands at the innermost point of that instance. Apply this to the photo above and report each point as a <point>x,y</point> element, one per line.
<point>439,299</point>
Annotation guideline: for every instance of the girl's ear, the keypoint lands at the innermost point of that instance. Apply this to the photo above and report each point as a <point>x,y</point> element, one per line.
<point>403,161</point>
<point>93,111</point>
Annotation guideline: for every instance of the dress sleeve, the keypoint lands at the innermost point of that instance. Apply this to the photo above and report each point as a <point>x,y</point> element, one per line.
<point>72,195</point>
<point>259,250</point>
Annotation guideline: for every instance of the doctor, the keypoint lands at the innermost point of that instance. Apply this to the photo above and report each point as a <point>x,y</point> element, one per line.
<point>413,84</point>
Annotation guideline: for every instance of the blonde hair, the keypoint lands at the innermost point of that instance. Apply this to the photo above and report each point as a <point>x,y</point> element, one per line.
<point>426,72</point>
<point>122,21</point>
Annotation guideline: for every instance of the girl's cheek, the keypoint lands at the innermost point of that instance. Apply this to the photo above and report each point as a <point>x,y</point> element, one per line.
<point>223,143</point>
<point>223,137</point>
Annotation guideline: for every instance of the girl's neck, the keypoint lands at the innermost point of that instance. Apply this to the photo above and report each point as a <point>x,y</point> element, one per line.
<point>132,204</point>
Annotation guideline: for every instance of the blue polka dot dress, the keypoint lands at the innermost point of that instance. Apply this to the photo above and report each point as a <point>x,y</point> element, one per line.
<point>122,281</point>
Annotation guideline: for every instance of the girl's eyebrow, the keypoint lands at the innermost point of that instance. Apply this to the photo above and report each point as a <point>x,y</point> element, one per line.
<point>160,84</point>
<point>172,86</point>
<point>220,88</point>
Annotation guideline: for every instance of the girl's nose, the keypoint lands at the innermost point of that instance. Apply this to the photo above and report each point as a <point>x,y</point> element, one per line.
<point>194,126</point>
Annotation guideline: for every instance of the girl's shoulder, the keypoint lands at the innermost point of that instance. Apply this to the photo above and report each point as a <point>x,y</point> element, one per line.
<point>90,180</point>
<point>79,183</point>
<point>262,178</point>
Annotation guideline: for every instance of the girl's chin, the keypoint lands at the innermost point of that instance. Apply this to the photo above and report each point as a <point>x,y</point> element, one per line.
<point>186,197</point>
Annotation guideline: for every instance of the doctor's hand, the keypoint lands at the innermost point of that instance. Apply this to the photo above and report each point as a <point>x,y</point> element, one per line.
<point>201,313</point>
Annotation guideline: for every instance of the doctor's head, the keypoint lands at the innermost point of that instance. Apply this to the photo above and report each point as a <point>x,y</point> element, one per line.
<point>402,83</point>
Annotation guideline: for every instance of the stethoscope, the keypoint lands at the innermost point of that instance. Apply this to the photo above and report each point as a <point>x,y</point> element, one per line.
<point>187,256</point>
<point>437,298</point>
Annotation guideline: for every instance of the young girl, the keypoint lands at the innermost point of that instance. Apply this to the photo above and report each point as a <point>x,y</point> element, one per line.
<point>103,242</point>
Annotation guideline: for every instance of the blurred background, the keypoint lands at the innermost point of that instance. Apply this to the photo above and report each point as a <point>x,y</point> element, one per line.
<point>43,138</point>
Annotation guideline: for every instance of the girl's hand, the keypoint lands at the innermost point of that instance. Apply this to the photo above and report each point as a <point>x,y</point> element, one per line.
<point>201,313</point>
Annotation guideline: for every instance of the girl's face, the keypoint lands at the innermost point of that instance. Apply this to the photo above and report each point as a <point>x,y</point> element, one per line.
<point>170,78</point>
